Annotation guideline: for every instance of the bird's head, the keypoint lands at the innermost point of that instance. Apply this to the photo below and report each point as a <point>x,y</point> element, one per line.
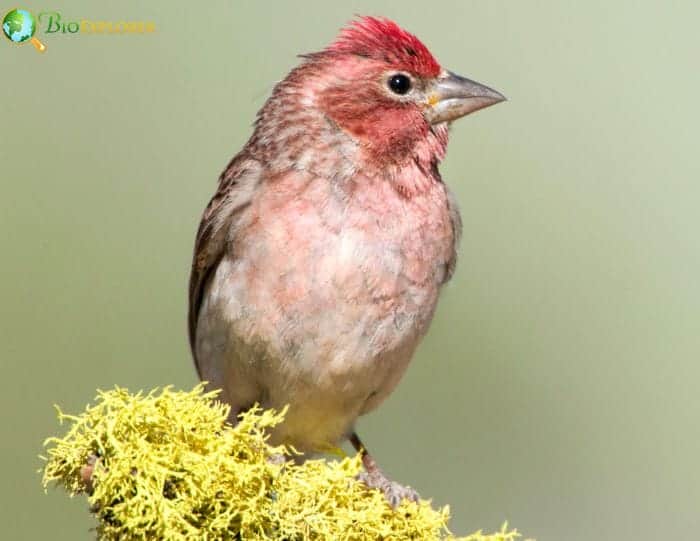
<point>383,85</point>
<point>380,85</point>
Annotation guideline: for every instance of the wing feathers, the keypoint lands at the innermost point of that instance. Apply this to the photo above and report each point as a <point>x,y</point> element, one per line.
<point>237,186</point>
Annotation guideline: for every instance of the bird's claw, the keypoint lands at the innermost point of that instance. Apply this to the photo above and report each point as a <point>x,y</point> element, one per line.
<point>393,491</point>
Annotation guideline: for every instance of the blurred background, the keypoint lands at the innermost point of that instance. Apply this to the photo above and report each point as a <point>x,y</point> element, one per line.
<point>557,388</point>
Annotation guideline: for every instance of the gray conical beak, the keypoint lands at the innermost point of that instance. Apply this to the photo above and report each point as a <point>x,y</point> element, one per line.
<point>453,96</point>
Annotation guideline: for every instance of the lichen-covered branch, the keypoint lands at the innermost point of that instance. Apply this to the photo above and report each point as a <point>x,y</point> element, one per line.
<point>166,465</point>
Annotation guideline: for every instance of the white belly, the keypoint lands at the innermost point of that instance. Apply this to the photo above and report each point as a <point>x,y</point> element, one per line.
<point>323,317</point>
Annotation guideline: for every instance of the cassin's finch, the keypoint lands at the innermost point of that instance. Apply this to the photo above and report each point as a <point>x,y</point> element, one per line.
<point>319,260</point>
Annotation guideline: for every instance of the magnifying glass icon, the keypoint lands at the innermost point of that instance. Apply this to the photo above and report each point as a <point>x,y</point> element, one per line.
<point>19,26</point>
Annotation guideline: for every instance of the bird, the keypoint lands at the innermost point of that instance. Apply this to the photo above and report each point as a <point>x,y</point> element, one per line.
<point>320,258</point>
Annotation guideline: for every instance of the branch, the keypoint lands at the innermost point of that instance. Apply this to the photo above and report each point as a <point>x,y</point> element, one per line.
<point>166,465</point>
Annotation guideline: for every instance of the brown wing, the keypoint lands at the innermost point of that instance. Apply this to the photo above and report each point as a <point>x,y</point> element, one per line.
<point>456,221</point>
<point>237,185</point>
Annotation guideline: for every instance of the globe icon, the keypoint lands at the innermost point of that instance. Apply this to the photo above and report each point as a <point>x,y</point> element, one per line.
<point>19,26</point>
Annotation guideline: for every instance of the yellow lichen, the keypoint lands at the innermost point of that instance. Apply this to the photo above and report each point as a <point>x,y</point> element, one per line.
<point>170,467</point>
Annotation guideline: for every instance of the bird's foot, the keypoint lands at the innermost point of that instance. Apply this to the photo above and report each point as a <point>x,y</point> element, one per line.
<point>277,459</point>
<point>393,491</point>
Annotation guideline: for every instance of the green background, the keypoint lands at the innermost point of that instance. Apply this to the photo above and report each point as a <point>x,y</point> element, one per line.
<point>558,385</point>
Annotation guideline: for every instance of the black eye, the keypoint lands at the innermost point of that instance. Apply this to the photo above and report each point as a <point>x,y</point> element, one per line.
<point>399,84</point>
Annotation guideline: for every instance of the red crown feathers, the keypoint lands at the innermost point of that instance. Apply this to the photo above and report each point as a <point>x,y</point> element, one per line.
<point>383,39</point>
